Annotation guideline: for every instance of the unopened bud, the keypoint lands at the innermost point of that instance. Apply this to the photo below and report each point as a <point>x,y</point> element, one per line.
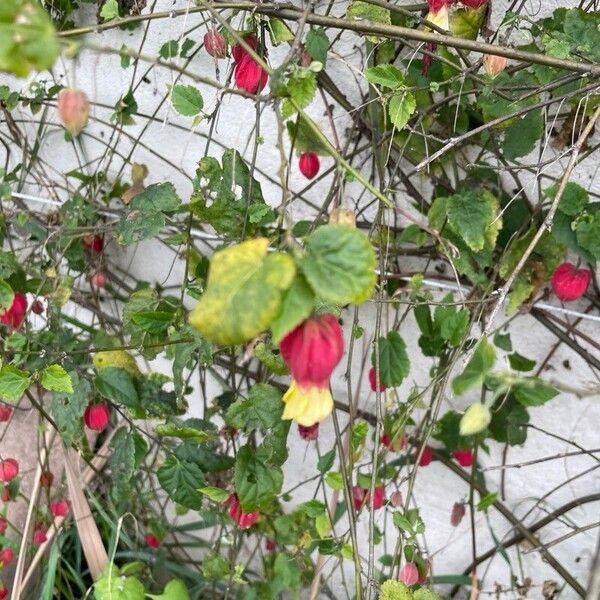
<point>493,64</point>
<point>74,110</point>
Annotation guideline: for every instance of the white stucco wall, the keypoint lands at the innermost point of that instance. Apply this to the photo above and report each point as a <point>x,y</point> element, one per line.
<point>436,488</point>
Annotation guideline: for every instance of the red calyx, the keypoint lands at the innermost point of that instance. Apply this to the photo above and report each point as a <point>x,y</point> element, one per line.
<point>37,307</point>
<point>570,283</point>
<point>242,519</point>
<point>5,413</point>
<point>3,593</point>
<point>15,315</point>
<point>152,541</point>
<point>463,457</point>
<point>309,164</point>
<point>473,3</point>
<point>6,556</point>
<point>97,416</point>
<point>310,433</point>
<point>313,350</point>
<point>436,5</point>
<point>215,44</point>
<point>60,508</point>
<point>394,444</point>
<point>9,469</point>
<point>426,457</point>
<point>376,385</point>
<point>270,545</point>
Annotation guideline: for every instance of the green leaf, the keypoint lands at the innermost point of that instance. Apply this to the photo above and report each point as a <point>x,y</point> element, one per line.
<point>304,138</point>
<point>587,232</point>
<point>520,363</point>
<point>502,341</point>
<point>470,214</point>
<point>186,430</point>
<point>301,87</point>
<point>394,364</point>
<point>482,361</point>
<point>152,321</point>
<point>7,295</point>
<point>522,136</point>
<point>339,264</point>
<point>174,590</point>
<point>534,392</point>
<point>487,501</point>
<point>256,482</point>
<point>122,465</point>
<point>279,32</point>
<point>110,10</point>
<point>215,494</point>
<point>370,12</point>
<point>157,197</point>
<point>573,200</point>
<point>13,383</point>
<point>261,410</point>
<point>465,22</point>
<point>509,423</point>
<point>117,385</point>
<point>114,586</point>
<point>296,306</point>
<point>186,100</point>
<point>169,49</point>
<point>56,379</point>
<point>244,292</point>
<point>181,480</point>
<point>67,410</point>
<point>27,37</point>
<point>326,461</point>
<point>317,44</point>
<point>334,480</point>
<point>401,107</point>
<point>385,76</point>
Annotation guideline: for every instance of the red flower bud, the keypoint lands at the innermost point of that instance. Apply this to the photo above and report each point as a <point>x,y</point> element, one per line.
<point>39,534</point>
<point>152,541</point>
<point>376,386</point>
<point>46,479</point>
<point>5,496</point>
<point>569,282</point>
<point>250,76</point>
<point>9,469</point>
<point>426,457</point>
<point>3,525</point>
<point>5,413</point>
<point>60,508</point>
<point>309,164</point>
<point>463,457</point>
<point>409,574</point>
<point>457,514</point>
<point>215,44</point>
<point>310,433</point>
<point>270,545</point>
<point>242,519</point>
<point>98,280</point>
<point>3,592</point>
<point>96,416</point>
<point>239,51</point>
<point>313,350</point>
<point>396,499</point>
<point>15,315</point>
<point>394,444</point>
<point>361,496</point>
<point>493,64</point>
<point>37,307</point>
<point>6,557</point>
<point>94,243</point>
<point>74,110</point>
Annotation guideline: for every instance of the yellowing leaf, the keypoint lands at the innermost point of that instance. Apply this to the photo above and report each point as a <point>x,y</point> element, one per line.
<point>243,294</point>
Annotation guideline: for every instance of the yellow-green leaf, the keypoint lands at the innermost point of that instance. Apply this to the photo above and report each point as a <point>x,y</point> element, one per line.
<point>243,294</point>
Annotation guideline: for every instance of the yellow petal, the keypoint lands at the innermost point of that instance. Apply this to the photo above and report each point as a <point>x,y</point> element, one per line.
<point>307,406</point>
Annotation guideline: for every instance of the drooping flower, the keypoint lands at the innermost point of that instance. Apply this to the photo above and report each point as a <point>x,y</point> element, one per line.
<point>215,44</point>
<point>309,434</point>
<point>309,164</point>
<point>426,456</point>
<point>6,557</point>
<point>15,315</point>
<point>312,351</point>
<point>60,508</point>
<point>5,412</point>
<point>409,574</point>
<point>457,514</point>
<point>97,416</point>
<point>74,110</point>
<point>152,541</point>
<point>570,283</point>
<point>39,534</point>
<point>242,519</point>
<point>9,469</point>
<point>463,457</point>
<point>94,243</point>
<point>376,384</point>
<point>249,75</point>
<point>362,496</point>
<point>494,64</point>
